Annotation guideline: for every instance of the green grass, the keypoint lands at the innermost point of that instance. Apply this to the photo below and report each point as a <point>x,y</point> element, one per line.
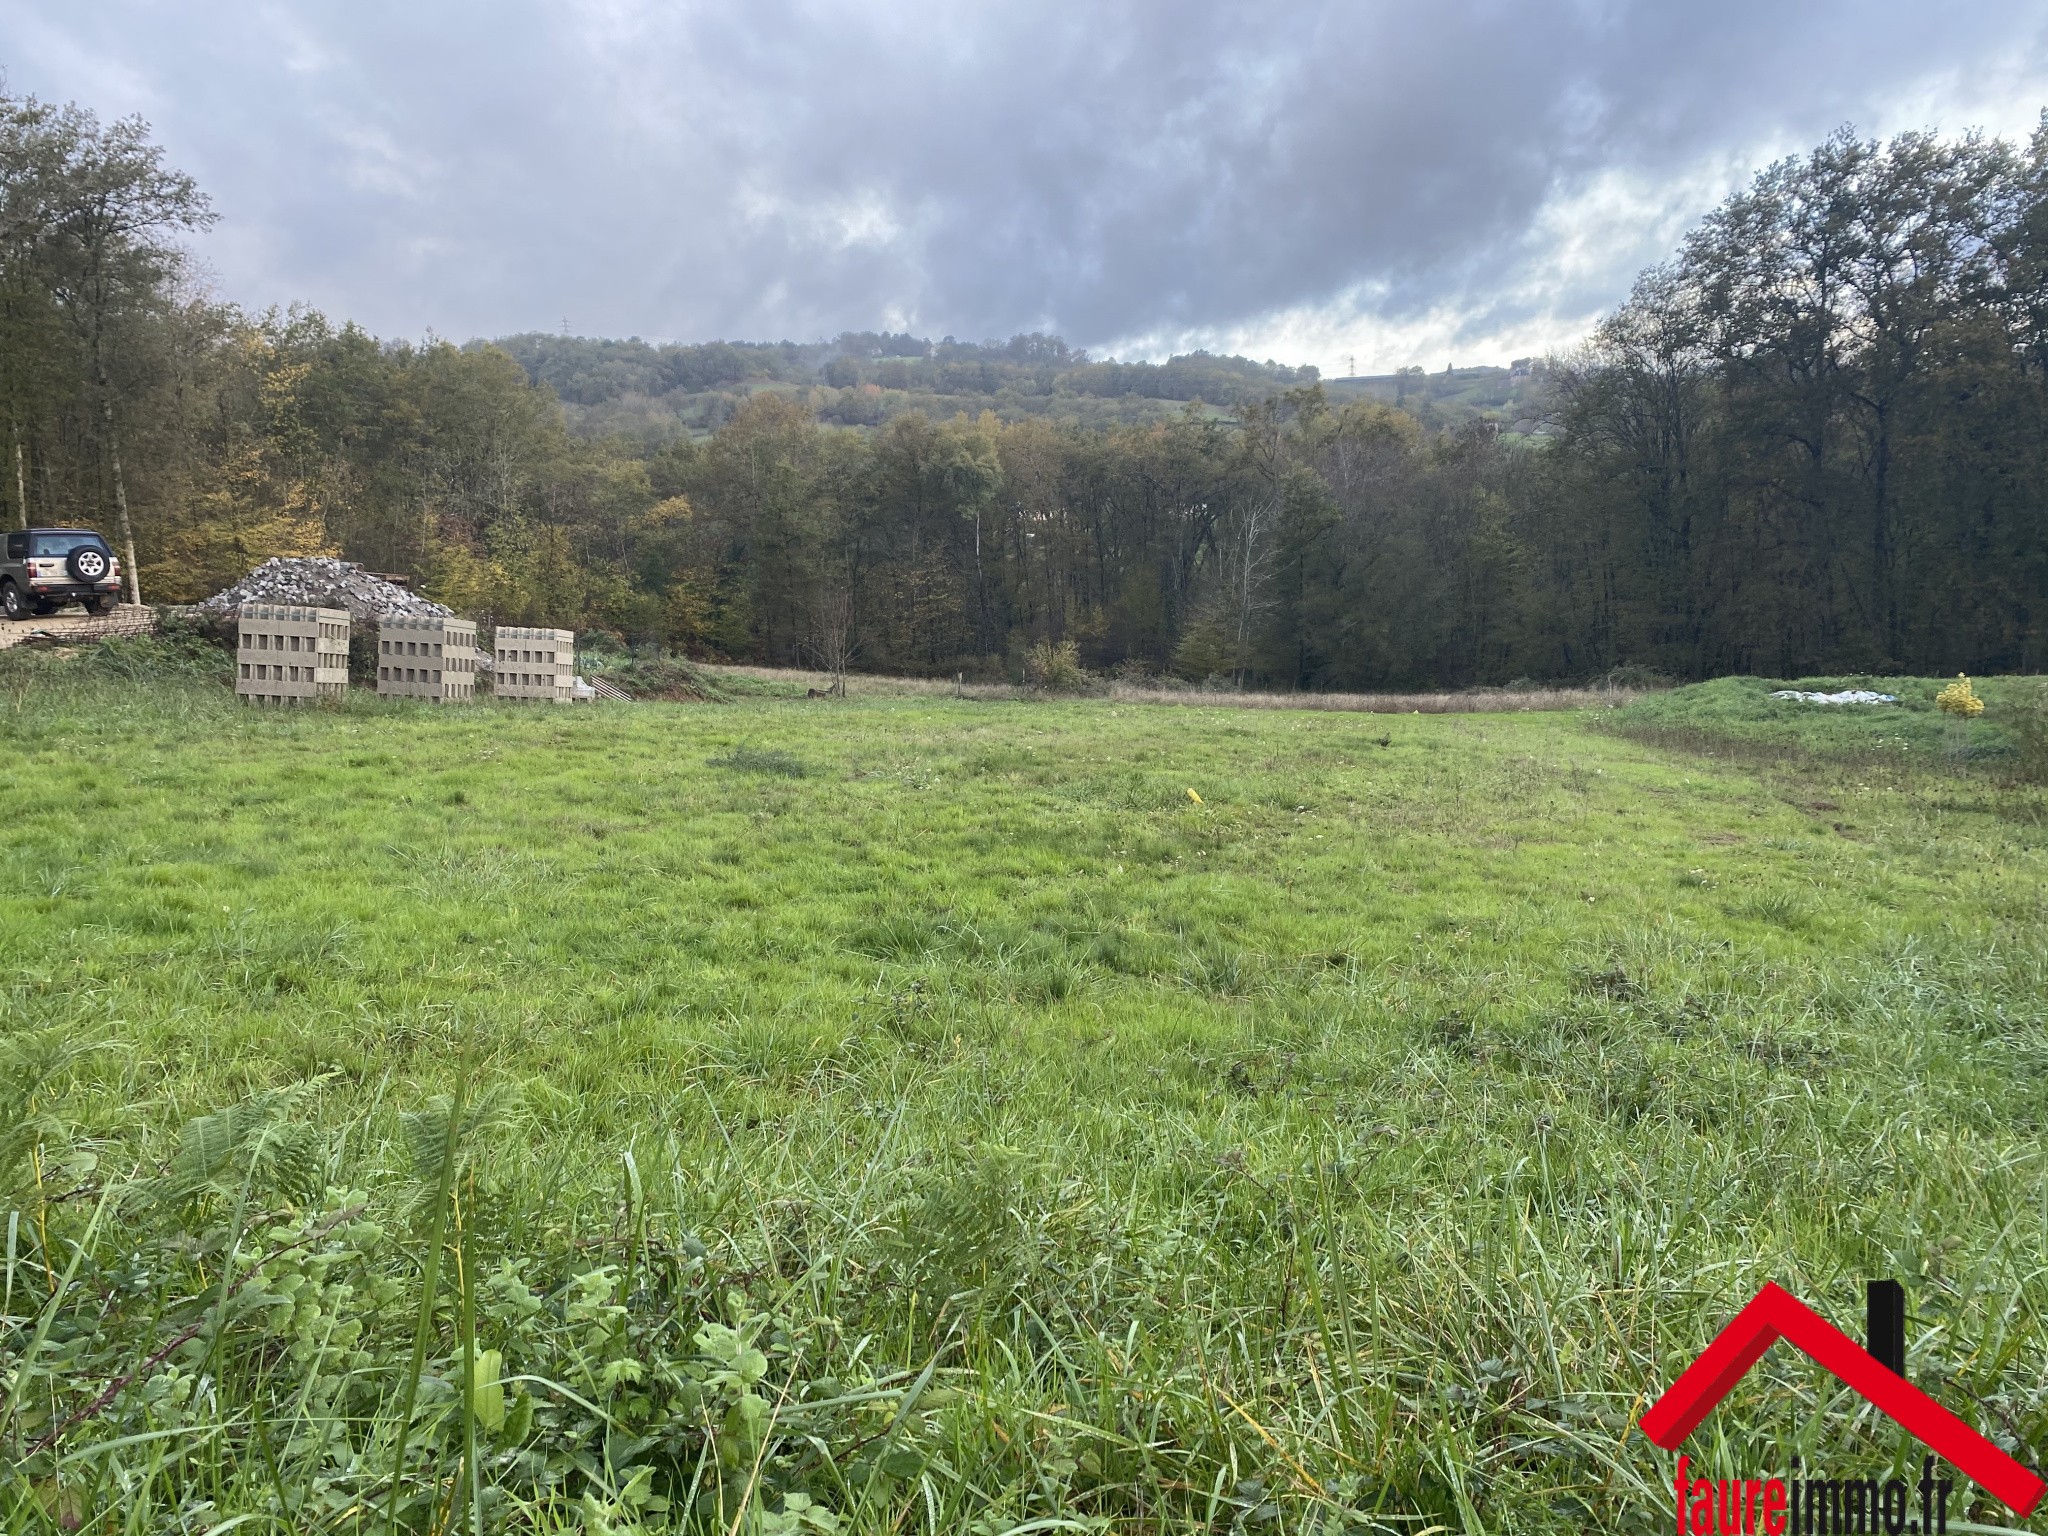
<point>1738,714</point>
<point>930,1110</point>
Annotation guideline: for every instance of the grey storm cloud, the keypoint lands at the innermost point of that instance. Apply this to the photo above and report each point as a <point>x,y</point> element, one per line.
<point>1120,173</point>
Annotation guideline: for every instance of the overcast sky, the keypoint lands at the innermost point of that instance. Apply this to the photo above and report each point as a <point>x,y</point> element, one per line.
<point>1409,183</point>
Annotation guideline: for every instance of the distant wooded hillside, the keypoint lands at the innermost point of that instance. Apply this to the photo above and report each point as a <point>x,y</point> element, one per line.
<point>1517,399</point>
<point>864,378</point>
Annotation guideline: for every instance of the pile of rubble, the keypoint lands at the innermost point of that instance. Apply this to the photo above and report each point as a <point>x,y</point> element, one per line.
<point>324,583</point>
<point>1846,696</point>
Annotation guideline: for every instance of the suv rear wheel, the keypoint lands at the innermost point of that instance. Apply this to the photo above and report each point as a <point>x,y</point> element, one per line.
<point>11,600</point>
<point>87,563</point>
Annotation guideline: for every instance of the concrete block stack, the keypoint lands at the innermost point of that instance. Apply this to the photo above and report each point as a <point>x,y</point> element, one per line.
<point>427,657</point>
<point>285,654</point>
<point>534,664</point>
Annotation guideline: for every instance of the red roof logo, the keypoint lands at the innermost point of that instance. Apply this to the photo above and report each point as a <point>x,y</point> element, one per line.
<point>1777,1314</point>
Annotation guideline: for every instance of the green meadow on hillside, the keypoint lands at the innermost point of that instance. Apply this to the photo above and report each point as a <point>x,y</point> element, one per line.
<point>918,1114</point>
<point>1739,714</point>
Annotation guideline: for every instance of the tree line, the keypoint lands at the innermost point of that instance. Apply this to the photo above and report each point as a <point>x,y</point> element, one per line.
<point>1812,442</point>
<point>1816,438</point>
<point>583,370</point>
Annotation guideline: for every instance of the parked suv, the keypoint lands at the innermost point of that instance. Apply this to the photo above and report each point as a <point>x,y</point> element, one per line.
<point>46,568</point>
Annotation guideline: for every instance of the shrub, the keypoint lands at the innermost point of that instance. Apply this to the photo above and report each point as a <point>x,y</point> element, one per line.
<point>1959,699</point>
<point>1055,667</point>
<point>659,677</point>
<point>599,646</point>
<point>197,625</point>
<point>1631,676</point>
<point>362,655</point>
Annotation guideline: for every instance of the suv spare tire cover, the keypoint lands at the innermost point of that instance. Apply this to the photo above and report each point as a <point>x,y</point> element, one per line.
<point>88,562</point>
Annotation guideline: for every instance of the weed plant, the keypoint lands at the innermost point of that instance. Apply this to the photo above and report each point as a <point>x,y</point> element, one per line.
<point>540,1119</point>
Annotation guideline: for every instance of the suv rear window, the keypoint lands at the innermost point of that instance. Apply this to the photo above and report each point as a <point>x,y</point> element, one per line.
<point>55,546</point>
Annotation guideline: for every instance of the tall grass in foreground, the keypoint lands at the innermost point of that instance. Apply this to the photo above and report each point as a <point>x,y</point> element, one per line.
<point>971,1132</point>
<point>1451,1316</point>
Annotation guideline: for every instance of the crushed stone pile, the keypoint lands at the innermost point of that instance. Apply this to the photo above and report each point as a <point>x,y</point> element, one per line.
<point>319,582</point>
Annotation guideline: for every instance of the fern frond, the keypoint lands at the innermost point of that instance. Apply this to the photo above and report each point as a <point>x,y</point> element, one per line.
<point>256,1144</point>
<point>486,1118</point>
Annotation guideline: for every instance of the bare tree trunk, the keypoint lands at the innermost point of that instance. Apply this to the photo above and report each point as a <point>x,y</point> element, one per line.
<point>1244,601</point>
<point>1247,584</point>
<point>20,474</point>
<point>105,386</point>
<point>980,586</point>
<point>121,501</point>
<point>834,646</point>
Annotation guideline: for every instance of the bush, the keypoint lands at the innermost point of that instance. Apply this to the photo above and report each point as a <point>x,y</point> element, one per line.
<point>601,646</point>
<point>197,626</point>
<point>362,655</point>
<point>1056,668</point>
<point>1631,676</point>
<point>657,677</point>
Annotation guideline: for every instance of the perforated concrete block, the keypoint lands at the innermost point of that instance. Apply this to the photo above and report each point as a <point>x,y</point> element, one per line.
<point>534,664</point>
<point>427,658</point>
<point>290,655</point>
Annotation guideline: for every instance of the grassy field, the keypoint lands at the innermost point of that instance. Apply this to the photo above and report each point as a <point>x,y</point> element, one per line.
<point>790,682</point>
<point>1912,737</point>
<point>919,1114</point>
